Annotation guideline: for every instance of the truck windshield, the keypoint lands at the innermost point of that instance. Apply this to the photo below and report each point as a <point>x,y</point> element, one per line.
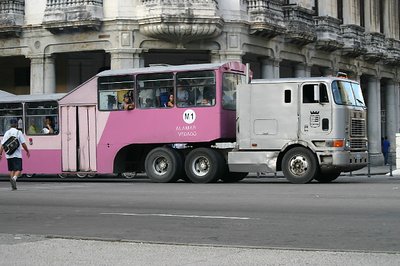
<point>347,93</point>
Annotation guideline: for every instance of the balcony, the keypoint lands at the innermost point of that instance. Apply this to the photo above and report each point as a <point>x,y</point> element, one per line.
<point>329,36</point>
<point>266,18</point>
<point>376,49</point>
<point>11,17</point>
<point>300,25</point>
<point>180,21</point>
<point>73,15</point>
<point>393,52</point>
<point>354,40</point>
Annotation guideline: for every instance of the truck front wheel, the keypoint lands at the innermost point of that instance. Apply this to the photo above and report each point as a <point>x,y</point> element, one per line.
<point>299,165</point>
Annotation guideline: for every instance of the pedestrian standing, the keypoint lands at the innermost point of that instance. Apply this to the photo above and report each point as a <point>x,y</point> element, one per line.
<point>14,160</point>
<point>385,150</point>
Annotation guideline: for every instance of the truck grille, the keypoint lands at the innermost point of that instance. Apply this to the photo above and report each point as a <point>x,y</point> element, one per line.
<point>358,127</point>
<point>358,144</point>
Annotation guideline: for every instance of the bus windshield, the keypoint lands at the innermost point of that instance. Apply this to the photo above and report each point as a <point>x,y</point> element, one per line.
<point>347,93</point>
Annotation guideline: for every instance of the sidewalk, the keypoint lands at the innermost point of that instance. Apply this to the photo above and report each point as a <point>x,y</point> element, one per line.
<point>39,250</point>
<point>376,170</point>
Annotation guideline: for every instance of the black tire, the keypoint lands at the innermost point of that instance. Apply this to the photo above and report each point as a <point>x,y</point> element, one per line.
<point>232,177</point>
<point>163,165</point>
<point>204,165</point>
<point>327,177</point>
<point>300,166</point>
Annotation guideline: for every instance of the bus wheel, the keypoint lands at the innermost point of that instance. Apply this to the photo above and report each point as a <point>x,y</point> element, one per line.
<point>81,175</point>
<point>299,165</point>
<point>163,165</point>
<point>327,177</point>
<point>129,175</point>
<point>204,165</point>
<point>232,177</point>
<point>62,175</point>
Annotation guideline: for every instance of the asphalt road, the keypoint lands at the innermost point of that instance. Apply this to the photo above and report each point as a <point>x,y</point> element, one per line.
<point>351,214</point>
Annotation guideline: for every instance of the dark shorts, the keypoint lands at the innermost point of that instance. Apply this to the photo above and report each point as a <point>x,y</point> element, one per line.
<point>14,164</point>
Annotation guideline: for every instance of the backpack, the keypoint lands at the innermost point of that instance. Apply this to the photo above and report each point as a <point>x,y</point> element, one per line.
<point>11,145</point>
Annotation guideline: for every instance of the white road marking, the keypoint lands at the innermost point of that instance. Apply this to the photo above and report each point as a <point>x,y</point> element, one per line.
<point>177,215</point>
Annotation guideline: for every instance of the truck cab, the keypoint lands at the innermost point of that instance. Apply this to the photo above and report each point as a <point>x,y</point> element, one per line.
<point>310,128</point>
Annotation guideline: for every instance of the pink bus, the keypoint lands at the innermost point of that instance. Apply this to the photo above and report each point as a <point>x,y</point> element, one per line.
<point>171,122</point>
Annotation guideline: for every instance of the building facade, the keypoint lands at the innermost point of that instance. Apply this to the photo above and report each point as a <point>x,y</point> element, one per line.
<point>49,46</point>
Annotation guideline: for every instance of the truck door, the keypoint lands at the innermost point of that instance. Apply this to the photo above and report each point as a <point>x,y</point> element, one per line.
<point>78,138</point>
<point>315,118</point>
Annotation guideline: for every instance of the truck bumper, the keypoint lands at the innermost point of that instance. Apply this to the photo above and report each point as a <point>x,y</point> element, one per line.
<point>343,161</point>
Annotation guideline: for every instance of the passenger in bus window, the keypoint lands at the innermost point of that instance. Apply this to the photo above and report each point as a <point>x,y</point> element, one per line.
<point>32,129</point>
<point>48,126</point>
<point>127,103</point>
<point>182,96</point>
<point>162,97</point>
<point>170,102</point>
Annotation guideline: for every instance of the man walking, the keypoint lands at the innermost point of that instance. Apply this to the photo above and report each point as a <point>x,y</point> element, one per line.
<point>14,160</point>
<point>385,150</point>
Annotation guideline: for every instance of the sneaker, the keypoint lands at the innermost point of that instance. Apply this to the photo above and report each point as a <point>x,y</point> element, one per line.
<point>13,183</point>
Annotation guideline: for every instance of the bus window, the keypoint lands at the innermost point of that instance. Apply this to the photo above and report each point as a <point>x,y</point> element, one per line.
<point>229,83</point>
<point>154,89</point>
<point>7,112</point>
<point>195,89</point>
<point>41,118</point>
<point>113,90</point>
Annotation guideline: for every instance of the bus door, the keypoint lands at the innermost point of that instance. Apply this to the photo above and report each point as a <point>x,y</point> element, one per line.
<point>78,138</point>
<point>315,111</point>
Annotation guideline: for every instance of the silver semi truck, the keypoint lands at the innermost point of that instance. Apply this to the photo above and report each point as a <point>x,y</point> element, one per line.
<point>309,128</point>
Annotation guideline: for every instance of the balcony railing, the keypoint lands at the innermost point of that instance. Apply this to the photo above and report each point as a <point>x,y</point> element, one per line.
<point>11,17</point>
<point>354,40</point>
<point>300,25</point>
<point>393,52</point>
<point>375,47</point>
<point>266,18</point>
<point>329,36</point>
<point>72,15</point>
<point>180,21</point>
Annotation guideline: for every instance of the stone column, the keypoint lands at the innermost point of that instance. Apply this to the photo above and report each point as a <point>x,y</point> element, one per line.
<point>138,61</point>
<point>351,12</point>
<point>37,74</point>
<point>392,95</point>
<point>327,8</point>
<point>374,121</point>
<point>43,74</point>
<point>122,58</point>
<point>49,77</point>
<point>371,16</point>
<point>269,69</point>
<point>390,18</point>
<point>302,70</point>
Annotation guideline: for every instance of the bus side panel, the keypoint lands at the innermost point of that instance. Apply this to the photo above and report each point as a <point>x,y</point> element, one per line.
<point>45,156</point>
<point>156,126</point>
<point>87,138</point>
<point>69,138</point>
<point>42,162</point>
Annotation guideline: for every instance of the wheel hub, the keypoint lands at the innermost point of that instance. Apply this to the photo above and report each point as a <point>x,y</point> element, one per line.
<point>298,165</point>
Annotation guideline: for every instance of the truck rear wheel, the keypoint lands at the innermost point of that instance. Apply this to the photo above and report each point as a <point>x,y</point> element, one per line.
<point>204,165</point>
<point>163,165</point>
<point>299,165</point>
